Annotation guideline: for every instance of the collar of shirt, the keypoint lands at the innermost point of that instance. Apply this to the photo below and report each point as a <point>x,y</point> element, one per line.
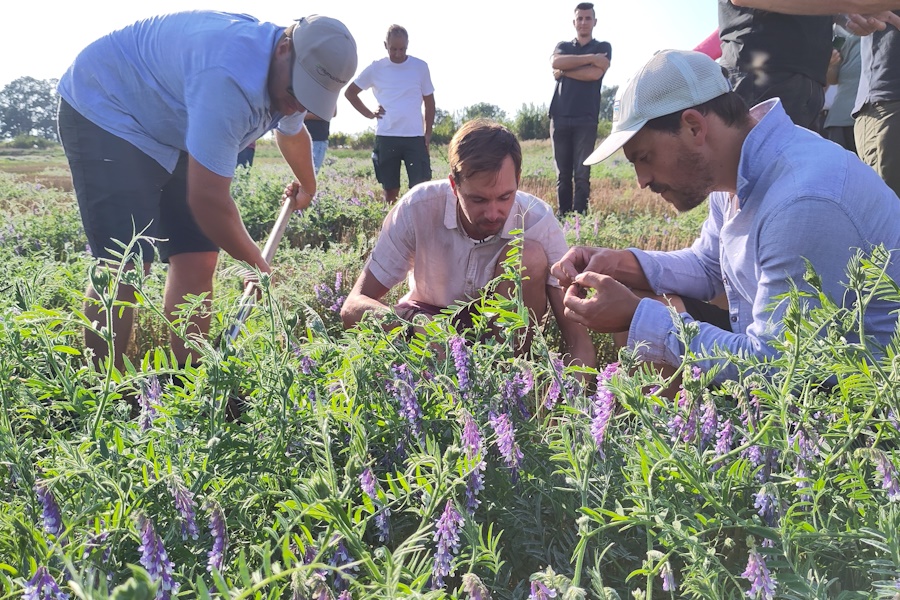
<point>765,141</point>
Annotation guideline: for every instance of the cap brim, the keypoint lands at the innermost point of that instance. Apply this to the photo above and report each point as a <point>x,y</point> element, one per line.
<point>310,93</point>
<point>613,142</point>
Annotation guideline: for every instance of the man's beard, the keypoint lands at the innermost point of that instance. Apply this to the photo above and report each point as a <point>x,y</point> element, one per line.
<point>698,182</point>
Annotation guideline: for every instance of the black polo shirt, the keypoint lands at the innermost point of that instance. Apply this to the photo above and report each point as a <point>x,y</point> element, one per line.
<point>578,101</point>
<point>759,40</point>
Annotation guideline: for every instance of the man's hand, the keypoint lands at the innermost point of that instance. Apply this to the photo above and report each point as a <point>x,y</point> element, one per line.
<point>378,113</point>
<point>295,192</point>
<point>585,258</point>
<point>557,73</point>
<point>867,24</point>
<point>601,61</point>
<point>609,309</point>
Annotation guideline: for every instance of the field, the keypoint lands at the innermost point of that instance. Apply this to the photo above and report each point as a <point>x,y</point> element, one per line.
<point>309,462</point>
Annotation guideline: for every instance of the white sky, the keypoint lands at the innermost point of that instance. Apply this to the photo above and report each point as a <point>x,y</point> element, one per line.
<point>477,50</point>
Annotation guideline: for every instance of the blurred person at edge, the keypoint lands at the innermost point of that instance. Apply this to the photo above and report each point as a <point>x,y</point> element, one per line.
<point>776,191</point>
<point>152,117</point>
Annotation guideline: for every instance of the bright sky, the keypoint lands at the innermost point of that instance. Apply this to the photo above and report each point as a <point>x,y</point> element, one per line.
<point>477,50</point>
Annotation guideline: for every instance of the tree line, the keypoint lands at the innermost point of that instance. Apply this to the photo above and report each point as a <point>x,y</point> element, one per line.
<point>28,110</point>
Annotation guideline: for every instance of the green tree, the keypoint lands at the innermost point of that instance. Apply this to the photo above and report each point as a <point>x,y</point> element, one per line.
<point>483,110</point>
<point>444,127</point>
<point>607,98</point>
<point>28,107</point>
<point>532,122</point>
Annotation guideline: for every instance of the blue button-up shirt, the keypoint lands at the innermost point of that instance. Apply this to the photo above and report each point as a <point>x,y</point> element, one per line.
<point>798,196</point>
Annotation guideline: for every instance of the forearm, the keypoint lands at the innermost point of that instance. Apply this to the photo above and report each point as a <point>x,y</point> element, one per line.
<point>352,95</point>
<point>357,305</point>
<point>429,113</point>
<point>565,62</point>
<point>819,7</point>
<point>585,73</point>
<point>297,152</point>
<point>220,221</point>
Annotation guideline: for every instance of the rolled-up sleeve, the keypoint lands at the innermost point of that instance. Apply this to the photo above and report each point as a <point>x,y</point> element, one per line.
<point>395,250</point>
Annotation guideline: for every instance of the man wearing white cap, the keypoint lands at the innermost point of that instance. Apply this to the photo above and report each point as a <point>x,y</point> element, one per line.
<point>152,118</point>
<point>779,195</point>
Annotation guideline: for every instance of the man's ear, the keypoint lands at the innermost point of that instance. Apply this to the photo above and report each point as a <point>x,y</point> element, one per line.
<point>452,184</point>
<point>696,124</point>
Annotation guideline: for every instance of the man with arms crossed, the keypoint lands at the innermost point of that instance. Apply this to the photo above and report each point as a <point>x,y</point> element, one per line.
<point>450,237</point>
<point>401,84</point>
<point>578,66</point>
<point>778,194</point>
<point>152,118</point>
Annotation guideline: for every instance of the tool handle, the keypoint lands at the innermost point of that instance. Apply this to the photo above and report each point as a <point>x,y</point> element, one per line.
<point>248,299</point>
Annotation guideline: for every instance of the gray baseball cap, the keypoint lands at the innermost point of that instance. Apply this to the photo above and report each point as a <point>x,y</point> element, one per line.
<point>671,81</point>
<point>325,62</point>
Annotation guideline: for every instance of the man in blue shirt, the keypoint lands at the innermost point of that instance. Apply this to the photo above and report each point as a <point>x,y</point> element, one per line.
<point>778,195</point>
<point>152,118</point>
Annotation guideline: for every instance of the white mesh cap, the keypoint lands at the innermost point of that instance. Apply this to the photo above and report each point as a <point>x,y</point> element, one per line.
<point>671,81</point>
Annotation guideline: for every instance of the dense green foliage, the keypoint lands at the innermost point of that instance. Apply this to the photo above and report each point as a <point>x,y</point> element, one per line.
<point>330,458</point>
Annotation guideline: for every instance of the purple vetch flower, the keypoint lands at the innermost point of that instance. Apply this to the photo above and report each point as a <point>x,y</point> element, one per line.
<point>43,587</point>
<point>754,454</point>
<point>345,595</point>
<point>383,523</point>
<point>216,556</point>
<point>471,437</point>
<point>539,591</point>
<point>514,390</point>
<point>802,474</point>
<point>446,535</point>
<point>668,578</point>
<point>764,502</point>
<point>708,423</point>
<point>474,587</point>
<point>762,585</point>
<point>151,391</point>
<point>506,441</point>
<point>461,361</point>
<point>473,447</point>
<point>887,472</point>
<point>368,484</point>
<point>50,512</point>
<point>603,406</point>
<point>96,541</point>
<point>723,439</point>
<point>340,559</point>
<point>155,559</point>
<point>184,502</point>
<point>474,486</point>
<point>555,384</point>
<point>403,389</point>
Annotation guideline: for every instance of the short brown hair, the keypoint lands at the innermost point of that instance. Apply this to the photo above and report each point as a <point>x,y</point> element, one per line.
<point>730,107</point>
<point>481,146</point>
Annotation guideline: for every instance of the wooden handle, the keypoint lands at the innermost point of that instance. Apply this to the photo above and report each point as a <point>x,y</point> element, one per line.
<point>248,299</point>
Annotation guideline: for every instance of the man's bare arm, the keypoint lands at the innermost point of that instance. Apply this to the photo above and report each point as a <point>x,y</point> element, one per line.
<point>352,94</point>
<point>585,73</point>
<point>429,116</point>
<point>566,62</point>
<point>365,297</point>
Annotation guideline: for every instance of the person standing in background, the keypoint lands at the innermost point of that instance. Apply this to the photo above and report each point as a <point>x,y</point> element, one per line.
<point>877,108</point>
<point>319,131</point>
<point>401,84</point>
<point>578,67</point>
<point>844,76</point>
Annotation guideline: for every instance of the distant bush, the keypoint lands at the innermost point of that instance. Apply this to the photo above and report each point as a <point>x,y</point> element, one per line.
<point>30,141</point>
<point>362,141</point>
<point>604,128</point>
<point>532,122</point>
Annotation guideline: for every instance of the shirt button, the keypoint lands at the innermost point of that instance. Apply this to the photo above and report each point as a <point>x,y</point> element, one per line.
<point>734,318</point>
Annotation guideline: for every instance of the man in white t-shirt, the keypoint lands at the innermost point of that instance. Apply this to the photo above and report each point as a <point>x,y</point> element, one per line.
<point>448,239</point>
<point>401,84</point>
